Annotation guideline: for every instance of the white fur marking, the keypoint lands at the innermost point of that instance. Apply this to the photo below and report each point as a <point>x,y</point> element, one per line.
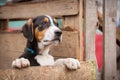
<point>44,60</point>
<point>21,63</point>
<point>51,20</point>
<point>70,63</point>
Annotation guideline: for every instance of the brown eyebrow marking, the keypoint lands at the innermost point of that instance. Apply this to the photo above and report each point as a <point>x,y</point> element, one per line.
<point>46,19</point>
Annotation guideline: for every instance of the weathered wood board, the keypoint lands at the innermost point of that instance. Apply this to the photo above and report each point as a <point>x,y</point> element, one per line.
<point>86,72</point>
<point>12,46</point>
<point>4,23</point>
<point>30,10</point>
<point>90,28</point>
<point>68,47</point>
<point>109,57</point>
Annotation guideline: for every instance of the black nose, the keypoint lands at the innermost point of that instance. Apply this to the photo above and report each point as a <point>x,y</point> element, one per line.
<point>58,33</point>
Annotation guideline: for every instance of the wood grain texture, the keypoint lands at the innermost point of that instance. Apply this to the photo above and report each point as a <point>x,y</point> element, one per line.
<point>11,47</point>
<point>4,24</point>
<point>80,55</point>
<point>70,21</point>
<point>109,40</point>
<point>30,10</point>
<point>68,47</point>
<point>90,28</point>
<point>86,72</point>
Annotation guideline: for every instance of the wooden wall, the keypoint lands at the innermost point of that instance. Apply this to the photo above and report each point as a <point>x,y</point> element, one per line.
<point>70,12</point>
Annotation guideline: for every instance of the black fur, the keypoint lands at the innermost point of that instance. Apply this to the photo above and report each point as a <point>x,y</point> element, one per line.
<point>28,55</point>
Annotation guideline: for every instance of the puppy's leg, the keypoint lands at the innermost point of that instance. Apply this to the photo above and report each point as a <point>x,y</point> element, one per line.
<point>20,63</point>
<point>70,63</point>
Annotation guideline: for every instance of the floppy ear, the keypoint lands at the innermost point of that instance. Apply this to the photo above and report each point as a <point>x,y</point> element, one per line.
<point>28,30</point>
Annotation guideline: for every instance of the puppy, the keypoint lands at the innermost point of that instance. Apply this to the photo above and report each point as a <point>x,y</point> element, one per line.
<point>42,32</point>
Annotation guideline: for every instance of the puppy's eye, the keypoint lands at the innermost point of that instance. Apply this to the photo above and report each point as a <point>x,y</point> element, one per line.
<point>39,25</point>
<point>39,28</point>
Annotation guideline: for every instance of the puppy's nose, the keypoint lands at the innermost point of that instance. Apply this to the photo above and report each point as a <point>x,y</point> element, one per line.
<point>58,33</point>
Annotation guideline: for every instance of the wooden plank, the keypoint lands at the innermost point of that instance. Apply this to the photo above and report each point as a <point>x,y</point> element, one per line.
<point>118,10</point>
<point>80,55</point>
<point>75,23</point>
<point>109,59</point>
<point>30,10</point>
<point>10,49</point>
<point>86,72</point>
<point>68,47</point>
<point>69,21</point>
<point>90,28</point>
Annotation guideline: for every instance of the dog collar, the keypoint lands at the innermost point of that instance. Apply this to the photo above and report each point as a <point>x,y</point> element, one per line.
<point>30,50</point>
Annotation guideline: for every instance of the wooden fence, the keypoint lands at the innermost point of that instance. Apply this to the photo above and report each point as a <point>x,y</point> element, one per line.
<point>71,12</point>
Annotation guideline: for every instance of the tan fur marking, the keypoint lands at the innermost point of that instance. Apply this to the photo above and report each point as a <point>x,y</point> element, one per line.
<point>39,34</point>
<point>29,22</point>
<point>46,19</point>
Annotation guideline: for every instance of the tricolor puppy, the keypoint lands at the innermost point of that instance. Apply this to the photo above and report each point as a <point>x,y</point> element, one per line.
<point>42,32</point>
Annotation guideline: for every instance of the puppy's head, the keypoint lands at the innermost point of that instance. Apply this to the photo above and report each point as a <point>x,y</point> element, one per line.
<point>43,29</point>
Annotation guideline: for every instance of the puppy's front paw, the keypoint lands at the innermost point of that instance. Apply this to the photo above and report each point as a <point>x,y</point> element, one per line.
<point>20,63</point>
<point>72,63</point>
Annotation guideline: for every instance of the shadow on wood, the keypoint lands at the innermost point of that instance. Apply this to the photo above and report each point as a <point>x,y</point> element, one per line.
<point>86,72</point>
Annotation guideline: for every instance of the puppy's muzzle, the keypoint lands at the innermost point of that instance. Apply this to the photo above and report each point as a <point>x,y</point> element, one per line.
<point>58,33</point>
<point>57,37</point>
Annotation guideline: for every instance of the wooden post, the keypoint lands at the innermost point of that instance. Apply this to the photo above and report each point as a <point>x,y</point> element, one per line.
<point>75,23</point>
<point>109,56</point>
<point>4,23</point>
<point>80,55</point>
<point>90,28</point>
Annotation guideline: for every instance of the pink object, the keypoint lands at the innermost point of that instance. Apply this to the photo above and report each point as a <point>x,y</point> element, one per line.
<point>99,50</point>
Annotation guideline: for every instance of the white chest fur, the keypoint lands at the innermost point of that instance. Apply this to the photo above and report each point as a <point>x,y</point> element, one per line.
<point>44,60</point>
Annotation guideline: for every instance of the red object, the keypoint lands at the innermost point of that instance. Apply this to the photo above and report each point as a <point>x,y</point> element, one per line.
<point>13,29</point>
<point>99,50</point>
